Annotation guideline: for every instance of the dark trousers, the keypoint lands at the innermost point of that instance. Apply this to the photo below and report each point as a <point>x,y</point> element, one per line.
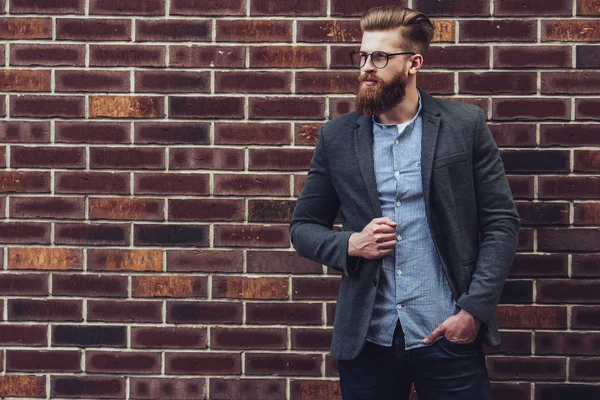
<point>442,371</point>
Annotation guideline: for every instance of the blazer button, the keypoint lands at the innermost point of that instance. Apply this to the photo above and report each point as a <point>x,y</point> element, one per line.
<point>374,282</point>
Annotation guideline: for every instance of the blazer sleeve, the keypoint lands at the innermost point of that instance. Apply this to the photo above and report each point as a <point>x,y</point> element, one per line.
<point>311,228</point>
<point>499,225</point>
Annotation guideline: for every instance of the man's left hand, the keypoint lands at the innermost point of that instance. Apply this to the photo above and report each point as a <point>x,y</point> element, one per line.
<point>461,328</point>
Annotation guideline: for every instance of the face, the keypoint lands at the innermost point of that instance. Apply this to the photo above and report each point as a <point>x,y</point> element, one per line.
<point>381,89</point>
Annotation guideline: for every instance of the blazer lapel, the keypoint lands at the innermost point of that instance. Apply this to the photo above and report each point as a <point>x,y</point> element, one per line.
<point>363,146</point>
<point>431,125</point>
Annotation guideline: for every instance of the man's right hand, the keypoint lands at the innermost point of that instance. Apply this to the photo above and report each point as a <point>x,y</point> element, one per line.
<point>376,240</point>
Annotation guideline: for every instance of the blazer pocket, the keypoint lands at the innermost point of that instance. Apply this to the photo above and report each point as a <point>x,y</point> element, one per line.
<point>449,160</point>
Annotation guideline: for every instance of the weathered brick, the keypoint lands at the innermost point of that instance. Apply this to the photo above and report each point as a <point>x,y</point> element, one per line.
<point>532,57</point>
<point>498,31</point>
<point>83,29</point>
<point>44,310</point>
<point>254,31</point>
<point>511,135</point>
<point>488,83</point>
<point>24,132</point>
<point>315,288</point>
<point>91,132</point>
<point>252,133</point>
<point>565,391</point>
<point>22,335</point>
<point>284,364</point>
<point>306,134</point>
<point>588,56</point>
<point>203,363</point>
<point>25,28</point>
<point>92,81</point>
<point>241,389</point>
<point>172,388</point>
<point>169,286</point>
<point>434,8</point>
<point>456,57</point>
<point>248,339</point>
<point>569,135</point>
<point>47,207</point>
<point>92,182</point>
<point>585,265</point>
<point>569,187</point>
<point>86,386</point>
<point>173,30</point>
<point>124,7</point>
<point>588,7</point>
<point>171,183</point>
<point>23,386</point>
<point>586,161</point>
<point>530,161</point>
<point>252,185</point>
<point>206,158</point>
<point>171,235</point>
<point>251,236</point>
<point>21,80</point>
<point>92,285</point>
<point>288,57</point>
<point>444,31</point>
<point>24,182</point>
<point>314,390</point>
<point>206,107</point>
<point>126,209</point>
<point>510,8</point>
<point>124,260</point>
<point>329,31</point>
<point>571,30</point>
<point>122,362</point>
<point>168,338</point>
<point>237,287</point>
<point>52,7</point>
<point>47,361</point>
<point>24,284</point>
<point>96,234</point>
<point>531,109</point>
<point>72,55</point>
<point>253,82</point>
<point>287,108</point>
<point>42,258</point>
<point>124,311</point>
<point>126,107</point>
<point>205,260</point>
<point>587,109</point>
<point>24,232</point>
<point>270,210</point>
<point>206,210</point>
<point>284,313</point>
<point>47,157</point>
<point>541,213</point>
<point>127,158</point>
<point>585,317</point>
<point>511,368</point>
<point>89,336</point>
<point>127,56</point>
<point>581,82</point>
<point>172,82</point>
<point>291,8</point>
<point>326,82</point>
<point>208,7</point>
<point>208,56</point>
<point>47,106</point>
<point>205,312</point>
<point>533,317</point>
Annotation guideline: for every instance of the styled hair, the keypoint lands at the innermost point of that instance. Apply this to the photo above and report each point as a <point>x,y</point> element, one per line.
<point>416,28</point>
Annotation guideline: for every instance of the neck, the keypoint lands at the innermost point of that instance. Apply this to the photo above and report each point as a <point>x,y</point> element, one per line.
<point>404,111</point>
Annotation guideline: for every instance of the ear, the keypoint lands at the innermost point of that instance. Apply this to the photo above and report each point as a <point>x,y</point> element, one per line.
<point>415,64</point>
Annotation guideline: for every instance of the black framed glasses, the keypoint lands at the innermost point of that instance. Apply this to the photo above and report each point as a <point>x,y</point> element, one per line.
<point>379,58</point>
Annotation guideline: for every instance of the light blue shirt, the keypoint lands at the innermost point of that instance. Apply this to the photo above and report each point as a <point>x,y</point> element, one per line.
<point>412,285</point>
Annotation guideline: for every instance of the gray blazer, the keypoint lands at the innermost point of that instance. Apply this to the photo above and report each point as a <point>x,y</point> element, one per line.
<point>468,203</point>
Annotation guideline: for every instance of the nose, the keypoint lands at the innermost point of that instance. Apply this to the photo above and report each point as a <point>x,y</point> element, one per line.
<point>368,67</point>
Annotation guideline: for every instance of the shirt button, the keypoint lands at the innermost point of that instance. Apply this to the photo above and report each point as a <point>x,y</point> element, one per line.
<point>396,141</point>
<point>399,237</point>
<point>399,306</point>
<point>398,204</point>
<point>399,272</point>
<point>396,174</point>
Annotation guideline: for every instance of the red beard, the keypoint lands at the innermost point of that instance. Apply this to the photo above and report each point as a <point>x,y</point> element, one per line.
<point>381,97</point>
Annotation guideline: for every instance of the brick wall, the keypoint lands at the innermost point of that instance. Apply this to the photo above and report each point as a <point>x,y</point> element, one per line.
<point>151,153</point>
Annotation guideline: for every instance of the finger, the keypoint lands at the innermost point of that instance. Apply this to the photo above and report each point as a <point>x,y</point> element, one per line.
<point>439,331</point>
<point>388,237</point>
<point>384,221</point>
<point>388,245</point>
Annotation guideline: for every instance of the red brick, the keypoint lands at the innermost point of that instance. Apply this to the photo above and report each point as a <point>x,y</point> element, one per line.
<point>280,159</point>
<point>47,157</point>
<point>585,265</point>
<point>270,210</point>
<point>541,213</point>
<point>25,28</point>
<point>242,389</point>
<point>284,364</point>
<point>44,310</point>
<point>208,7</point>
<point>532,57</point>
<point>171,235</point>
<point>171,183</point>
<point>86,386</point>
<point>203,363</point>
<point>204,260</point>
<point>91,132</point>
<point>588,7</point>
<point>253,82</point>
<point>173,30</point>
<point>47,207</point>
<point>169,286</point>
<point>585,317</point>
<point>206,158</point>
<point>569,135</point>
<point>437,82</point>
<point>539,265</point>
<point>587,109</point>
<point>47,106</point>
<point>542,161</point>
<point>534,317</point>
<point>284,313</point>
<point>299,181</point>
<point>571,30</point>
<point>511,135</point>
<point>492,83</point>
<point>498,31</point>
<point>511,368</point>
<point>326,82</point>
<point>254,31</point>
<point>525,240</point>
<point>24,232</point>
<point>513,343</point>
<point>92,81</point>
<point>455,8</point>
<point>249,133</point>
<point>251,236</point>
<point>207,56</point>
<point>172,133</point>
<point>126,107</point>
<point>172,82</point>
<point>531,109</point>
<point>53,7</point>
<point>311,339</point>
<point>569,187</point>
<point>21,80</point>
<point>92,182</point>
<point>127,56</point>
<point>22,335</point>
<point>89,336</point>
<point>561,343</point>
<point>567,290</point>
<point>273,262</point>
<point>287,108</point>
<point>315,288</point>
<point>92,234</point>
<point>236,287</point>
<point>127,158</point>
<point>306,134</point>
<point>292,8</point>
<point>572,239</point>
<point>288,57</point>
<point>586,161</point>
<point>588,56</point>
<point>336,31</point>
<point>252,185</point>
<point>124,7</point>
<point>456,57</point>
<point>89,30</point>
<point>124,260</point>
<point>47,361</point>
<point>248,339</point>
<point>124,311</point>
<point>89,285</point>
<point>206,312</point>
<point>206,107</point>
<point>315,390</point>
<point>168,338</point>
<point>584,369</point>
<point>72,55</point>
<point>24,284</point>
<point>122,362</point>
<point>126,209</point>
<point>206,210</point>
<point>23,386</point>
<point>581,82</point>
<point>25,131</point>
<point>509,8</point>
<point>566,391</point>
<point>172,388</point>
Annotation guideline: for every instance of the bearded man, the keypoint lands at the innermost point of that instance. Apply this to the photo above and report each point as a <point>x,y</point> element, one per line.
<point>429,225</point>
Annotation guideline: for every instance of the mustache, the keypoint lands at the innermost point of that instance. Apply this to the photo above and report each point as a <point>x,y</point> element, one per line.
<point>367,77</point>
